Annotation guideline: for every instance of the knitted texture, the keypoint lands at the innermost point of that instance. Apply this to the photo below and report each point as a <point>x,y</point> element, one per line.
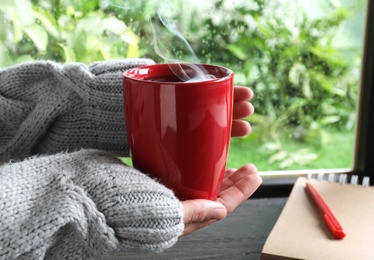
<point>80,205</point>
<point>48,107</point>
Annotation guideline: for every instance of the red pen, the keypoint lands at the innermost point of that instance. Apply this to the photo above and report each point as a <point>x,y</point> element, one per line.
<point>336,229</point>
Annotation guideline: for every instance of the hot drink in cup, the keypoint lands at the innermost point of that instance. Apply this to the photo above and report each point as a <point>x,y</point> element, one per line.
<point>178,125</point>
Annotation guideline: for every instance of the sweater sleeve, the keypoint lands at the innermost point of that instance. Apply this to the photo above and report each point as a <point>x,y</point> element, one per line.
<point>48,107</point>
<point>83,204</point>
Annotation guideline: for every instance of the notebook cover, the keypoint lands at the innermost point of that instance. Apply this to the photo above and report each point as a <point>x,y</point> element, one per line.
<point>301,233</point>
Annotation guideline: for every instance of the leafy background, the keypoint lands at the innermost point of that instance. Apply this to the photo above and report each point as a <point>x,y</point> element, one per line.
<point>301,59</point>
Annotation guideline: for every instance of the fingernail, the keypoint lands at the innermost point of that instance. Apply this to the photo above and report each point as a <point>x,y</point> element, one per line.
<point>219,213</point>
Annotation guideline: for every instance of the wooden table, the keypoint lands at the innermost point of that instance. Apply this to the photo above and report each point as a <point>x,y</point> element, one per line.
<point>240,236</point>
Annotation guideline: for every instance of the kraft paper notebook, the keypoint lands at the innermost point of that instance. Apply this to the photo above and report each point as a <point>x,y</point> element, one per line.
<point>301,233</point>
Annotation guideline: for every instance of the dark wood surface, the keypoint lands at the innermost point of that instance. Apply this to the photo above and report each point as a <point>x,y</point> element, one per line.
<point>240,236</point>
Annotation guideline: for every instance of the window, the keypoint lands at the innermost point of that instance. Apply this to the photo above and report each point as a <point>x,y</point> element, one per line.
<point>362,163</point>
<point>302,58</point>
<point>364,140</point>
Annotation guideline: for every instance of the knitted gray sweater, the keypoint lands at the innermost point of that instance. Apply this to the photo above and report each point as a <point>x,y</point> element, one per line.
<point>75,202</point>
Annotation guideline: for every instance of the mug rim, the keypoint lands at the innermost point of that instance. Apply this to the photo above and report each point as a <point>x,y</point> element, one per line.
<point>144,70</point>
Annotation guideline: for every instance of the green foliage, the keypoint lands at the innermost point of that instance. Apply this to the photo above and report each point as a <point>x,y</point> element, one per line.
<point>63,31</point>
<point>292,155</point>
<point>298,76</point>
<point>302,80</point>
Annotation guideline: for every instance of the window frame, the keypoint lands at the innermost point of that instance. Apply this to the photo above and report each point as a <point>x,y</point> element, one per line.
<point>281,182</point>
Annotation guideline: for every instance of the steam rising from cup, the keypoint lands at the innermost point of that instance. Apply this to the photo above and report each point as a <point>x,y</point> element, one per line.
<point>164,13</point>
<point>168,50</point>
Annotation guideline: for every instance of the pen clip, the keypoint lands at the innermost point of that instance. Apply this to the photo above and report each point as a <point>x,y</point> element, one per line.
<point>335,228</point>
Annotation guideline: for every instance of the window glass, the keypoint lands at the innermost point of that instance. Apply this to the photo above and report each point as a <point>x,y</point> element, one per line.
<point>301,58</point>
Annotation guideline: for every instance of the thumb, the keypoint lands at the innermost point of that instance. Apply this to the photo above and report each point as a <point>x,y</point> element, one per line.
<point>199,210</point>
<point>200,213</point>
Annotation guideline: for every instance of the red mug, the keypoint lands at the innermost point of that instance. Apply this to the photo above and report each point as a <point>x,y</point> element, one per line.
<point>179,132</point>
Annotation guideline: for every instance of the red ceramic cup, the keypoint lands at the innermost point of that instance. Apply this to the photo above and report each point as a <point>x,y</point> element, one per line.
<point>179,132</point>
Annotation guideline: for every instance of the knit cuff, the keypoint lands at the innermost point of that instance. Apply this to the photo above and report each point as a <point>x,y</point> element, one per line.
<point>47,107</point>
<point>83,204</point>
<point>95,118</point>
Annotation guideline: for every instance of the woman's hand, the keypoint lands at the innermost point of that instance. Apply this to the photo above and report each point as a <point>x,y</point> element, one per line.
<point>242,109</point>
<point>237,186</point>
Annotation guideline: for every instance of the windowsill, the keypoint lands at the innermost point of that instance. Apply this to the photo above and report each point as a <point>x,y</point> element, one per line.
<point>275,187</point>
<point>280,183</point>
